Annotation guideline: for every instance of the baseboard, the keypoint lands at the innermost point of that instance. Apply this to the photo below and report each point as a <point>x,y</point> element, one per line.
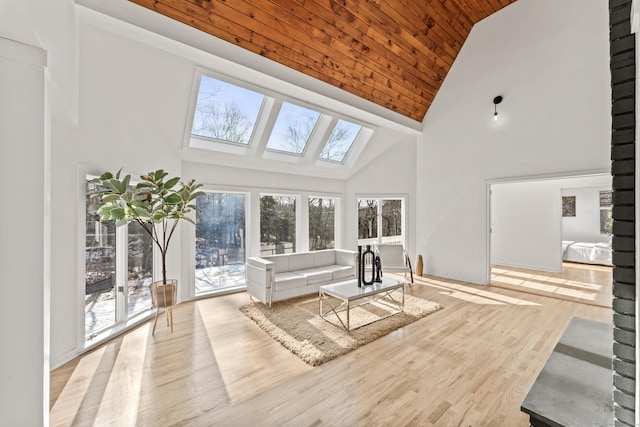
<point>56,362</point>
<point>458,277</point>
<point>526,266</point>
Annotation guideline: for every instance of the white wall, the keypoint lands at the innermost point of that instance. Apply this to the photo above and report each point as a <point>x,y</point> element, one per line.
<point>24,231</point>
<point>549,60</point>
<point>526,225</point>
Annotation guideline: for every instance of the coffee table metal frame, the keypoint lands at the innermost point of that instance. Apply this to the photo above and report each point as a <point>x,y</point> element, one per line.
<point>348,292</point>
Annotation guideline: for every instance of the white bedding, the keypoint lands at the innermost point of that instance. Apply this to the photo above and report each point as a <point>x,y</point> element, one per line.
<point>587,253</point>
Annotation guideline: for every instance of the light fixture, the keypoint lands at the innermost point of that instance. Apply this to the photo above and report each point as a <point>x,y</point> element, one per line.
<point>497,100</point>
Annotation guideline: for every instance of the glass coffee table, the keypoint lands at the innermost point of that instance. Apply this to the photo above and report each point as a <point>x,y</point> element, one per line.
<point>350,296</point>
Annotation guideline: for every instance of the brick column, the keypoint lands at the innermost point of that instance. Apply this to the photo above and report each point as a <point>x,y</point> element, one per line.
<point>623,77</point>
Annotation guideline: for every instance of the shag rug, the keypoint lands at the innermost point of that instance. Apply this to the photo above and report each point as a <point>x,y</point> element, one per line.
<point>296,324</point>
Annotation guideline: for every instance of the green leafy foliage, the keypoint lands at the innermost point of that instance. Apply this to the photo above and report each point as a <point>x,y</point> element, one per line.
<point>156,203</point>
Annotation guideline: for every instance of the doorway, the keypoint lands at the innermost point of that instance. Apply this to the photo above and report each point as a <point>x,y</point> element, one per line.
<point>525,225</point>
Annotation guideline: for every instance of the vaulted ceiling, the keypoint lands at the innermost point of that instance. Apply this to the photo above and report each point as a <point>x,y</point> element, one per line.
<point>394,53</point>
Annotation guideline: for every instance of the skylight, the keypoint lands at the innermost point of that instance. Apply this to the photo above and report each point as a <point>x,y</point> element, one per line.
<point>340,141</point>
<point>292,129</point>
<point>225,112</point>
<point>240,119</point>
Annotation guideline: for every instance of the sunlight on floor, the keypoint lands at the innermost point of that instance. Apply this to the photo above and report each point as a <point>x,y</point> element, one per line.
<point>123,362</point>
<point>75,390</point>
<point>473,293</point>
<point>122,394</point>
<point>590,284</point>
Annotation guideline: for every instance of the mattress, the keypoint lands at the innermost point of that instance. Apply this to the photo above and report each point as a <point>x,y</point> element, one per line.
<point>586,252</point>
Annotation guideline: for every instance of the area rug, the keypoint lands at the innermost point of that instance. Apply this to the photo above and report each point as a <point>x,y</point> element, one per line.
<point>296,324</point>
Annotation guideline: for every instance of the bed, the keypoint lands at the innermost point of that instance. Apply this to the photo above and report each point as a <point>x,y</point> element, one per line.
<point>586,252</point>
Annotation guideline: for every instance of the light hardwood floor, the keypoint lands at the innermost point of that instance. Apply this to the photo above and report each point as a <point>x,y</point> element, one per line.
<point>470,364</point>
<point>587,284</point>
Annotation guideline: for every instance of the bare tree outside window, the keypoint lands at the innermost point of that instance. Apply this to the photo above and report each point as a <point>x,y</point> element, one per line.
<point>380,221</point>
<point>292,129</point>
<point>391,218</point>
<point>225,112</point>
<point>321,223</point>
<point>367,218</point>
<point>223,122</point>
<point>340,140</point>
<point>277,224</point>
<point>298,133</point>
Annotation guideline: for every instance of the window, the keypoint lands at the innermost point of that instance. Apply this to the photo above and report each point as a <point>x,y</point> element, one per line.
<point>391,218</point>
<point>242,119</point>
<point>100,267</point>
<point>220,241</point>
<point>293,129</point>
<point>381,221</point>
<point>367,220</point>
<point>340,141</point>
<point>277,224</point>
<point>118,270</point>
<point>139,268</point>
<point>321,223</point>
<point>606,213</point>
<point>225,112</point>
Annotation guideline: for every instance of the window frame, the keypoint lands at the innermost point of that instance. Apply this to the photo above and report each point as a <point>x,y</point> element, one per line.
<point>380,239</point>
<point>123,319</point>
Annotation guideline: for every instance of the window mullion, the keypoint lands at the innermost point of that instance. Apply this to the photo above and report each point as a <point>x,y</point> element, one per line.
<point>379,220</point>
<point>121,273</point>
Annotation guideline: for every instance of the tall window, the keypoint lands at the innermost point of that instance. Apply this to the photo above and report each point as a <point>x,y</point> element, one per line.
<point>220,241</point>
<point>118,270</point>
<point>100,267</point>
<point>277,224</point>
<point>381,221</point>
<point>606,213</point>
<point>367,221</point>
<point>391,218</point>
<point>321,223</point>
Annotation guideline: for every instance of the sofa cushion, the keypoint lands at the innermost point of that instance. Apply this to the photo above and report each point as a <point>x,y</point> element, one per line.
<point>289,280</point>
<point>316,275</point>
<point>322,258</point>
<point>342,271</point>
<point>301,261</point>
<point>281,263</point>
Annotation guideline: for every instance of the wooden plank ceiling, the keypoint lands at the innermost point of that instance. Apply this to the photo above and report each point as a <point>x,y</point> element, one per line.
<point>395,53</point>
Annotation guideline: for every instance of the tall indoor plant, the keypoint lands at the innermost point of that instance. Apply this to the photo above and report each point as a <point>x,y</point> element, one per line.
<point>158,204</point>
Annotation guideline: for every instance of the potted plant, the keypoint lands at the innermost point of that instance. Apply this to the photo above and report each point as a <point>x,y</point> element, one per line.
<point>158,204</point>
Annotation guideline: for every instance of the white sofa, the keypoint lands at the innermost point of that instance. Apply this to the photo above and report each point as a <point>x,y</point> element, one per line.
<point>278,277</point>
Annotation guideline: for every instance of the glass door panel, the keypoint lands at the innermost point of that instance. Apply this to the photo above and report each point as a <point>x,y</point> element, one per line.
<point>100,268</point>
<point>220,242</point>
<point>140,269</point>
<point>367,222</point>
<point>392,221</point>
